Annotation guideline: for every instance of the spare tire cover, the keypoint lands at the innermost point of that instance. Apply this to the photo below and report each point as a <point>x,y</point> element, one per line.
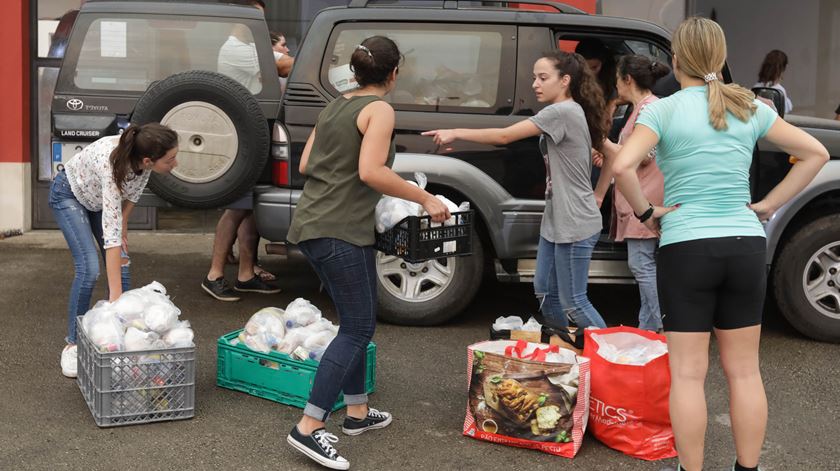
<point>223,137</point>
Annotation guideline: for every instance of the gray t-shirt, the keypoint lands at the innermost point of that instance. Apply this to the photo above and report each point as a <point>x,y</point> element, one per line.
<point>571,214</point>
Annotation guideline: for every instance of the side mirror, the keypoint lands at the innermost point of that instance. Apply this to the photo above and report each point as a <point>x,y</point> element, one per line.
<point>775,96</point>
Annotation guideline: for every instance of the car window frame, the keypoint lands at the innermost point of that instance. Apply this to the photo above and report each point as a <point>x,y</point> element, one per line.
<point>66,83</point>
<point>506,85</point>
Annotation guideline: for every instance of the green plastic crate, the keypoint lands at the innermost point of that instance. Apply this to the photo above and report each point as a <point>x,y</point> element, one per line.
<point>275,376</point>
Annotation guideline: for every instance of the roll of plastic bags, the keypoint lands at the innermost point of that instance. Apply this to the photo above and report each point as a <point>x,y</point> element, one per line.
<point>300,313</point>
<point>181,336</point>
<point>136,339</point>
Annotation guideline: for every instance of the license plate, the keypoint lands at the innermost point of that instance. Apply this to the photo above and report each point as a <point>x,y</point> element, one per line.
<point>64,151</point>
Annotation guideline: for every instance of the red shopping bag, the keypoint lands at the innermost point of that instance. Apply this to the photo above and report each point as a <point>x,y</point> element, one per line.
<point>628,403</point>
<point>516,400</point>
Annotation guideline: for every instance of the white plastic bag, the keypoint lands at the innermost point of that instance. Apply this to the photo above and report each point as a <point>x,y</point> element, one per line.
<point>264,330</point>
<point>293,339</point>
<point>138,340</point>
<point>508,323</point>
<point>181,336</point>
<point>390,211</point>
<point>104,328</point>
<point>161,317</point>
<point>628,349</point>
<point>301,312</point>
<point>532,325</point>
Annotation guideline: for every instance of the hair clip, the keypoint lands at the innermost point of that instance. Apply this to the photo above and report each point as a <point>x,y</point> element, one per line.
<point>364,48</point>
<point>710,77</point>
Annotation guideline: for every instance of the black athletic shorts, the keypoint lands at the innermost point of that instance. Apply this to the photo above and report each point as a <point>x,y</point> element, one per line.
<point>708,283</point>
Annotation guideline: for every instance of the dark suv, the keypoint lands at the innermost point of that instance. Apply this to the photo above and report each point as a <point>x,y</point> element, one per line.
<point>465,65</point>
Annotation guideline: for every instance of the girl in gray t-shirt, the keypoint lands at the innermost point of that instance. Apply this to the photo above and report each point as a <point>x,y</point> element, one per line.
<point>573,122</point>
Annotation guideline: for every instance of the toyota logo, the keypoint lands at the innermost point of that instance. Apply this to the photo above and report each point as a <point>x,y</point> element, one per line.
<point>75,104</point>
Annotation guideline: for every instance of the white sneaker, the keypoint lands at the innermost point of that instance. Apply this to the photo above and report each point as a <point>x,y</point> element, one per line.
<point>69,363</point>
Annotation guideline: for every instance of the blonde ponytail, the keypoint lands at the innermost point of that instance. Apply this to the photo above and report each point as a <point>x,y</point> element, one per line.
<point>700,47</point>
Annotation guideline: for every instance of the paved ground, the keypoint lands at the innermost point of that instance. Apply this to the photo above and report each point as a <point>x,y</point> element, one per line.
<point>420,378</point>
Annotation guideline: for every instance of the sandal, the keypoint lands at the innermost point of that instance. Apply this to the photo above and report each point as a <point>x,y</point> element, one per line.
<point>265,275</point>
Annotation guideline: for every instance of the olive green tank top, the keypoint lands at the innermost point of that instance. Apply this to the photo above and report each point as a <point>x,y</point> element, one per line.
<point>335,202</point>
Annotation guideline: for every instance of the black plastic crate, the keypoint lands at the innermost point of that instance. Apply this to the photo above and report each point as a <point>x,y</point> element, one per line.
<point>415,240</point>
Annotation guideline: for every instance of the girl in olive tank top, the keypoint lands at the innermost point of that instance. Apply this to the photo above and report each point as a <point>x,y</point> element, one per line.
<point>347,162</point>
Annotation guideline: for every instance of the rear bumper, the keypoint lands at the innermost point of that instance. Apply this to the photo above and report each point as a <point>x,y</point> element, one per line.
<point>273,211</point>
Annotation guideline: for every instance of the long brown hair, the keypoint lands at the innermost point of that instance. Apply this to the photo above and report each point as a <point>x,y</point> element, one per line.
<point>152,140</point>
<point>585,90</point>
<point>700,48</point>
<point>774,64</point>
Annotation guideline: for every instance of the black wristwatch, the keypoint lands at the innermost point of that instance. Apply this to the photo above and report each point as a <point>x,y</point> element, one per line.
<point>645,215</point>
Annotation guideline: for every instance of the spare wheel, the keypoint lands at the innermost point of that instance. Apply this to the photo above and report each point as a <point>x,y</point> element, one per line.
<point>223,137</point>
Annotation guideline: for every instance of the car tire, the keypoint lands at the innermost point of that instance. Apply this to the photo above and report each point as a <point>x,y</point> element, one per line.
<point>807,292</point>
<point>222,133</point>
<point>442,291</point>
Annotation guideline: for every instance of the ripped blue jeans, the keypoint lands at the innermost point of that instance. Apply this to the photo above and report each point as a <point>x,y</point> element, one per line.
<point>82,230</point>
<point>561,280</point>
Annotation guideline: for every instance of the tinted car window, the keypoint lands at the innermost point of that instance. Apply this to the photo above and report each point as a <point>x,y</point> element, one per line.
<point>129,54</point>
<point>464,78</point>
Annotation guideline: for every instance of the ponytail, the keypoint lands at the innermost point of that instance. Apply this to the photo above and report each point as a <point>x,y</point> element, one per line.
<point>137,142</point>
<point>700,48</point>
<point>585,90</point>
<point>732,98</point>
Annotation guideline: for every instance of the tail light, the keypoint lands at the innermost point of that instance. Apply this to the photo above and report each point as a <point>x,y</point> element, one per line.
<point>280,172</point>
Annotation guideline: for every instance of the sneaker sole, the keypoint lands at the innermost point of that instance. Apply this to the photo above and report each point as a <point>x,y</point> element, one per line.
<point>69,374</point>
<point>315,456</point>
<point>260,291</point>
<point>359,431</point>
<point>211,293</point>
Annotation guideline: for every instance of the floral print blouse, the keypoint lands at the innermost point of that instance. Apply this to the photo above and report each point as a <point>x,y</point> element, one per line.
<point>91,179</point>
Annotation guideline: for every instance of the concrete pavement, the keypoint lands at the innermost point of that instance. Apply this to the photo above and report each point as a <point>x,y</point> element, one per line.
<point>421,378</point>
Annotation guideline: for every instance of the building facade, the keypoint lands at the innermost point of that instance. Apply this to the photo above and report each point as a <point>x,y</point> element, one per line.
<point>29,29</point>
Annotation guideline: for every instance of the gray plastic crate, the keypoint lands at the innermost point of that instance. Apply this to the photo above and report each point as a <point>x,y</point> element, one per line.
<point>125,388</point>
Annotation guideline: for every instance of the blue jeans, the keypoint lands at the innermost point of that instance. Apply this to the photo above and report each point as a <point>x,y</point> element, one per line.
<point>561,280</point>
<point>82,230</point>
<point>641,258</point>
<point>348,273</point>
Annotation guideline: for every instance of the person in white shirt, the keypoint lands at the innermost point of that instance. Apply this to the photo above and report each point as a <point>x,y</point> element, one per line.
<point>770,74</point>
<point>92,197</point>
<point>238,59</point>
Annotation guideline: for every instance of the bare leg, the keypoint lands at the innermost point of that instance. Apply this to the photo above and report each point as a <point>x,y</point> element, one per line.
<point>689,360</point>
<point>225,236</point>
<point>248,242</point>
<point>747,401</point>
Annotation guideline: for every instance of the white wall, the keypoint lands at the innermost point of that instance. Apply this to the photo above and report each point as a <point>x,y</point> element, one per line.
<point>808,31</point>
<point>15,191</point>
<point>665,13</point>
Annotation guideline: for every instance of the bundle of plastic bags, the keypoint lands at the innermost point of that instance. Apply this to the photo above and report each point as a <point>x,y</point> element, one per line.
<point>140,319</point>
<point>390,211</point>
<point>299,331</point>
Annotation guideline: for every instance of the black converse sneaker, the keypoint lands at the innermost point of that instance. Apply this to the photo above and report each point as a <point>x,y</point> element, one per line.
<point>319,447</point>
<point>374,420</point>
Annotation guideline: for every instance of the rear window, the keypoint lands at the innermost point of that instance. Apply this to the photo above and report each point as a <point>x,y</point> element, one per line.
<point>453,68</point>
<point>130,54</point>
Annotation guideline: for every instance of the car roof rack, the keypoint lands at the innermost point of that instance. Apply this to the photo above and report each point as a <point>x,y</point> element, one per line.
<point>455,4</point>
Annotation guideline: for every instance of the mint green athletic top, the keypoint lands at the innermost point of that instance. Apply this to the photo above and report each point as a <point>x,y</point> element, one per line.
<point>707,172</point>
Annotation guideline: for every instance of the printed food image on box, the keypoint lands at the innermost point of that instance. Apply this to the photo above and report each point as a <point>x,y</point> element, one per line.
<point>523,399</point>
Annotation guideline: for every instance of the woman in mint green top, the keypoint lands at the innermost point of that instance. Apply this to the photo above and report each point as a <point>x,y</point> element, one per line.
<point>711,268</point>
<point>347,162</point>
<point>707,172</point>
